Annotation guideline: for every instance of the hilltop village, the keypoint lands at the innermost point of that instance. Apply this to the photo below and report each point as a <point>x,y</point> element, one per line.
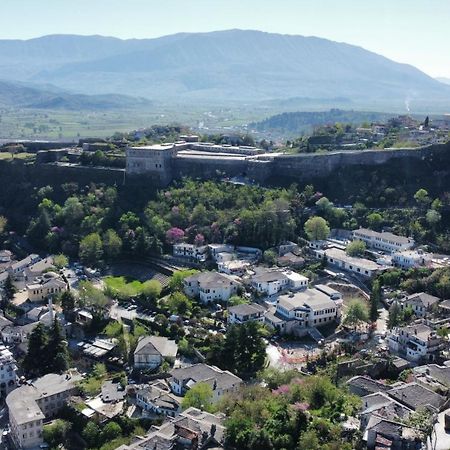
<point>219,313</point>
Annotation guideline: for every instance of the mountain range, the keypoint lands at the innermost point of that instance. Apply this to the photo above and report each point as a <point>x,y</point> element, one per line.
<point>223,67</point>
<point>20,95</point>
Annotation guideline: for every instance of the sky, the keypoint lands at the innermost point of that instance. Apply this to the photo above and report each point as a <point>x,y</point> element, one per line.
<point>416,32</point>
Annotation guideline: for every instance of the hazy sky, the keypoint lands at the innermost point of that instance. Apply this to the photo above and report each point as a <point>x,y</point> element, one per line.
<point>410,31</point>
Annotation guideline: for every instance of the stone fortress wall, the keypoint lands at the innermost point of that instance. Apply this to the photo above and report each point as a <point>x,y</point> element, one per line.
<point>264,167</point>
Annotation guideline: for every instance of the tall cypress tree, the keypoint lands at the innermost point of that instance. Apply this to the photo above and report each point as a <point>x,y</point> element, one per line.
<point>56,350</point>
<point>375,298</point>
<point>35,363</point>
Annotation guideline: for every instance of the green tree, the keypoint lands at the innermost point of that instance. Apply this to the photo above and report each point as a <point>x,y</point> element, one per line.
<point>3,223</point>
<point>151,290</point>
<point>55,433</point>
<point>178,303</point>
<point>176,280</point>
<point>91,249</point>
<point>56,351</point>
<point>243,351</point>
<point>235,300</point>
<point>394,315</point>
<point>199,396</point>
<point>422,198</point>
<point>356,313</point>
<point>316,228</point>
<point>112,244</point>
<point>375,299</point>
<point>9,290</point>
<point>433,217</point>
<point>309,441</point>
<point>375,221</point>
<point>356,248</point>
<point>270,257</point>
<point>34,362</point>
<point>111,430</point>
<point>92,435</point>
<point>60,261</point>
<point>90,296</point>
<point>68,303</point>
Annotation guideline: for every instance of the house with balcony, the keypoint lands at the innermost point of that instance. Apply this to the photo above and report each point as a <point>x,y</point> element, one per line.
<point>240,314</point>
<point>8,371</point>
<point>294,313</point>
<point>417,343</point>
<point>191,252</point>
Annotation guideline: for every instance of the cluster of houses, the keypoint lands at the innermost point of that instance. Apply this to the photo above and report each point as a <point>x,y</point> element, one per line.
<point>385,249</point>
<point>386,408</point>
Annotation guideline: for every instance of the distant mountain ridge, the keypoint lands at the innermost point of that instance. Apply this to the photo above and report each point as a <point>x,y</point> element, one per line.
<point>19,95</point>
<point>223,67</point>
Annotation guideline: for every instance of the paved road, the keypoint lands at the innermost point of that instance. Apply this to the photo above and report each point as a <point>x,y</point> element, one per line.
<point>3,427</point>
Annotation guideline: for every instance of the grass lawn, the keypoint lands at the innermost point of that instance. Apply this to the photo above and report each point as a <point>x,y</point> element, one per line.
<point>7,155</point>
<point>123,286</point>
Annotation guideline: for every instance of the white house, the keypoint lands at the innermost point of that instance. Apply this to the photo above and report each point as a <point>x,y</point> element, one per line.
<point>384,241</point>
<point>211,286</point>
<point>156,398</point>
<point>304,309</point>
<point>8,371</point>
<point>295,280</point>
<point>417,342</point>
<point>151,351</point>
<point>340,259</point>
<point>245,313</point>
<point>16,269</point>
<point>32,403</point>
<point>221,381</point>
<point>191,251</point>
<point>235,267</point>
<point>216,249</point>
<point>270,282</point>
<point>411,258</point>
<point>421,303</point>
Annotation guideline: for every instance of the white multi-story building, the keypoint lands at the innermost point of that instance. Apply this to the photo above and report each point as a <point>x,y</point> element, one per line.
<point>32,403</point>
<point>191,251</point>
<point>8,371</point>
<point>360,266</point>
<point>240,314</point>
<point>417,342</point>
<point>304,309</point>
<point>211,286</point>
<point>421,303</point>
<point>411,258</point>
<point>387,242</point>
<point>16,270</point>
<point>270,282</point>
